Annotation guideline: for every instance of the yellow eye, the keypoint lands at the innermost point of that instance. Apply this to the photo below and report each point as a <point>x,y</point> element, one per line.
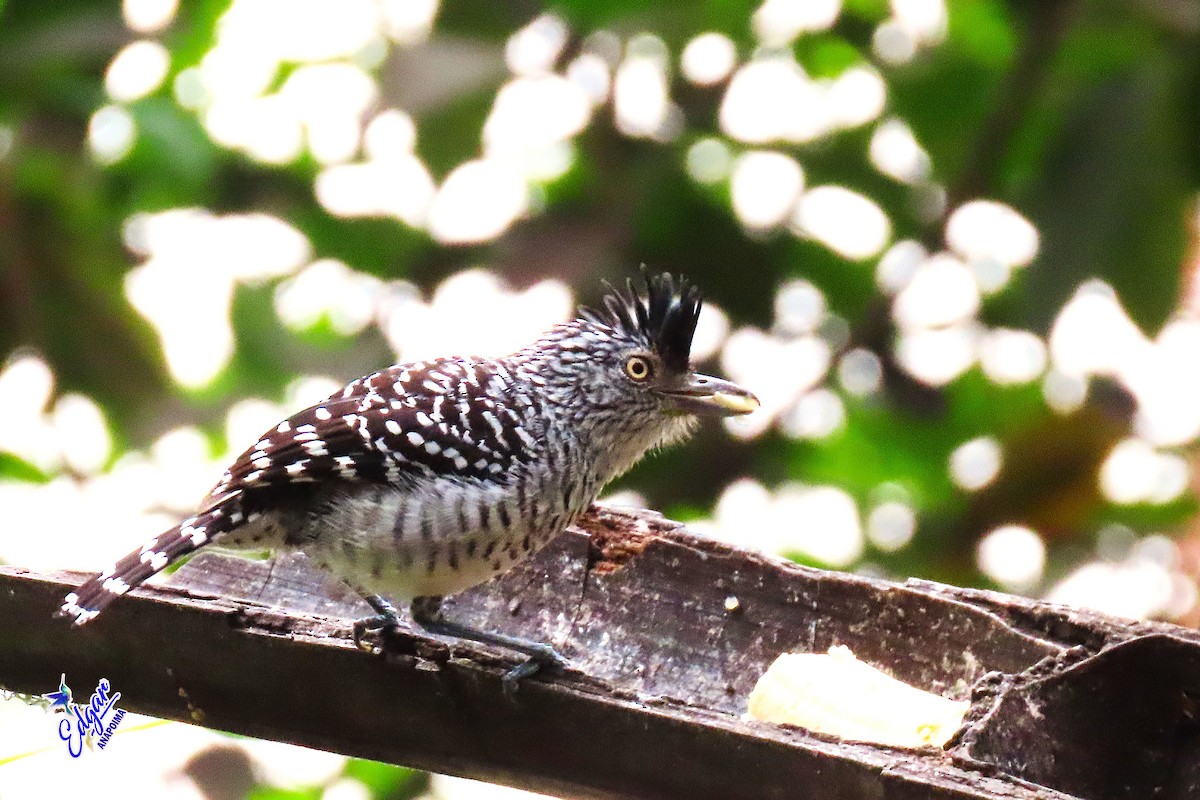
<point>637,368</point>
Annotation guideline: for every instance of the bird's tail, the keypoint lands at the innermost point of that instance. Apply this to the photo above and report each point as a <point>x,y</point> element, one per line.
<point>94,596</point>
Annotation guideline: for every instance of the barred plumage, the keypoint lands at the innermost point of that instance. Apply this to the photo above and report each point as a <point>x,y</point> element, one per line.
<point>426,478</point>
<point>453,416</point>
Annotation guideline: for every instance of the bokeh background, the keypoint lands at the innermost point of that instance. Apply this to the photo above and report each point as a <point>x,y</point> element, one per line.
<point>952,245</point>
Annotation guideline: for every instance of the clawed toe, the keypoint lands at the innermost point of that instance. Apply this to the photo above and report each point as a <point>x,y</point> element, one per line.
<point>546,656</point>
<point>380,623</point>
<point>541,657</point>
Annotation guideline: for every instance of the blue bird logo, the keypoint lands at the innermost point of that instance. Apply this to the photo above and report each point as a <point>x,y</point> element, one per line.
<point>60,700</point>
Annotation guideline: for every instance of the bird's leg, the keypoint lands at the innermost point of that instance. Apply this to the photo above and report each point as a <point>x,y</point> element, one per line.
<point>386,618</point>
<point>427,612</point>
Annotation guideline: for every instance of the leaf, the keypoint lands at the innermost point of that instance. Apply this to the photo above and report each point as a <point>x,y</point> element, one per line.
<point>386,780</point>
<point>15,468</point>
<point>276,793</point>
<point>826,56</point>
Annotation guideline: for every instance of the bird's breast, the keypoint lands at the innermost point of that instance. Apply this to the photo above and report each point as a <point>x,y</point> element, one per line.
<point>437,536</point>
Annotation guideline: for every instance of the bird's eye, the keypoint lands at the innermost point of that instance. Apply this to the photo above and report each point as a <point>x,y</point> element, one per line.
<point>637,368</point>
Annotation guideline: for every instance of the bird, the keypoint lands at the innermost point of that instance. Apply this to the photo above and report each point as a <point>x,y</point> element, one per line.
<point>426,478</point>
<point>60,700</point>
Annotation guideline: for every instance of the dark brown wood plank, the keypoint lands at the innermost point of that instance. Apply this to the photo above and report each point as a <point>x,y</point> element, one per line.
<point>661,667</point>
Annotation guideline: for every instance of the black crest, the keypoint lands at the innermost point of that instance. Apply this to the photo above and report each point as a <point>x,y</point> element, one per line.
<point>664,315</point>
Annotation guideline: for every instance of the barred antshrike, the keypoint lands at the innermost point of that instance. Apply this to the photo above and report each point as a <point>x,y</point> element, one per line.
<point>430,477</point>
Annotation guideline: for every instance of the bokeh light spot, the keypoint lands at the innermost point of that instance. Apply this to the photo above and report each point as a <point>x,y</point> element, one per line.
<point>764,188</point>
<point>148,16</point>
<point>533,49</point>
<point>895,152</point>
<point>1011,357</point>
<point>899,264</point>
<point>941,292</point>
<point>1013,556</point>
<point>772,99</point>
<point>708,59</point>
<point>891,525</point>
<point>986,230</point>
<point>641,102</point>
<point>936,356</point>
<point>136,71</point>
<point>397,187</point>
<point>111,134</point>
<point>816,415</point>
<point>778,22</point>
<point>924,19</point>
<point>709,161</point>
<point>82,431</point>
<point>478,201</point>
<point>892,44</point>
<point>856,97</point>
<point>845,221</point>
<point>975,464</point>
<point>860,372</point>
<point>1093,335</point>
<point>799,307</point>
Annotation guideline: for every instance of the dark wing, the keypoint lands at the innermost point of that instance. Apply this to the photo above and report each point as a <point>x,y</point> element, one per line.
<point>449,417</point>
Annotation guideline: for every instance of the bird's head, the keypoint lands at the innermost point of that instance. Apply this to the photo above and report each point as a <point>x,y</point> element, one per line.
<point>632,355</point>
<point>644,342</point>
<point>620,376</point>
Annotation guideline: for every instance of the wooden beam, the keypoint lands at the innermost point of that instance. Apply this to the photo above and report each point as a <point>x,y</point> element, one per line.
<point>666,632</point>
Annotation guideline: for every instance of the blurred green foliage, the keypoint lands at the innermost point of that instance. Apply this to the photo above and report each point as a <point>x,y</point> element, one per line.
<point>381,781</point>
<point>1082,114</point>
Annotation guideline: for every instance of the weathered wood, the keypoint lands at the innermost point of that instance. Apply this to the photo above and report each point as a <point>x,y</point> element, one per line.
<point>667,633</point>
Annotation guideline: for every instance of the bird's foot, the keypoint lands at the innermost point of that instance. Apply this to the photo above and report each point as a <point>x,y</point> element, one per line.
<point>538,656</point>
<point>385,621</point>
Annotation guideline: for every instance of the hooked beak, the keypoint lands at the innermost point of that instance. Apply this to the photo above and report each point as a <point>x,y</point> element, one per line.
<point>711,397</point>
